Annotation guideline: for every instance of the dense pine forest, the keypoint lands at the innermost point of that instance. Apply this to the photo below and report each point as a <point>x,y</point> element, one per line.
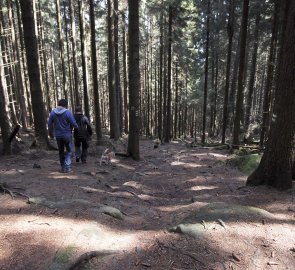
<point>189,143</point>
<point>215,71</point>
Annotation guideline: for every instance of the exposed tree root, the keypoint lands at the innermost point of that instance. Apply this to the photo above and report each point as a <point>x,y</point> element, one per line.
<point>4,189</point>
<point>186,253</point>
<point>86,257</point>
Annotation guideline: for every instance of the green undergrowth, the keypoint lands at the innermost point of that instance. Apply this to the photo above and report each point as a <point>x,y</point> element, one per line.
<point>247,163</point>
<point>64,255</point>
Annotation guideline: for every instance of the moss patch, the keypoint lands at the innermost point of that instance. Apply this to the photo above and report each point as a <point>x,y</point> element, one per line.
<point>64,255</point>
<point>250,163</point>
<point>197,223</point>
<point>247,164</point>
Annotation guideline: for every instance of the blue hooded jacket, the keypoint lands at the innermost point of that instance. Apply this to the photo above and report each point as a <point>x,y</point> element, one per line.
<point>61,120</point>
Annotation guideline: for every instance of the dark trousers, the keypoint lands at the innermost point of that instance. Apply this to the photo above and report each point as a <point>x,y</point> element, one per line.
<point>65,157</point>
<point>85,145</point>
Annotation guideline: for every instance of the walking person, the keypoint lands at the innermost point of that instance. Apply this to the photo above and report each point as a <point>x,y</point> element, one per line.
<point>81,135</point>
<point>60,124</point>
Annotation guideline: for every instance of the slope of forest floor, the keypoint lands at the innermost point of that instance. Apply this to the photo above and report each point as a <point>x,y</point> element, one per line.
<point>126,215</point>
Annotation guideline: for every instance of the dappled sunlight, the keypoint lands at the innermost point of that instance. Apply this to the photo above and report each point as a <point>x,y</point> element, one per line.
<point>82,233</point>
<point>125,166</point>
<point>16,204</point>
<point>129,208</point>
<point>185,164</point>
<point>11,172</point>
<point>248,232</point>
<point>134,184</point>
<point>217,155</point>
<point>177,208</point>
<point>207,187</point>
<point>57,175</point>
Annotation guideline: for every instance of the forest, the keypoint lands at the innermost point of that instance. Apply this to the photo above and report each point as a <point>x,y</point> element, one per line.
<point>161,81</point>
<point>162,69</point>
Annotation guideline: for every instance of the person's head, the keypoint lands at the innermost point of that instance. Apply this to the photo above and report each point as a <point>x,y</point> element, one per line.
<point>63,103</point>
<point>78,109</point>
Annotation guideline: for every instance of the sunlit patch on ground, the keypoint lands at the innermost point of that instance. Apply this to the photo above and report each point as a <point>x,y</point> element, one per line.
<point>197,188</point>
<point>186,164</point>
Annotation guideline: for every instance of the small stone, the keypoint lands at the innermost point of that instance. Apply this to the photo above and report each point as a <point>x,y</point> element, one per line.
<point>36,166</point>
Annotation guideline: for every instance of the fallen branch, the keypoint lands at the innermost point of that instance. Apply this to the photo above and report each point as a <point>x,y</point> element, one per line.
<point>273,263</point>
<point>236,257</point>
<point>86,257</point>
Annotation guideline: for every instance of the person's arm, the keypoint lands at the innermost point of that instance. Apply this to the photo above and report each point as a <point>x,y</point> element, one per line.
<point>50,126</point>
<point>89,129</point>
<point>72,120</point>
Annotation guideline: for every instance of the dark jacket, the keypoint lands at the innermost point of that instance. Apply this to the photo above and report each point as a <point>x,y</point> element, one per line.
<point>84,130</point>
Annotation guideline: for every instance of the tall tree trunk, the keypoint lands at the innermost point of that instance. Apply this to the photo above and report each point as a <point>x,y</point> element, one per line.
<point>269,77</point>
<point>94,73</point>
<point>176,107</point>
<point>77,98</point>
<point>134,79</point>
<point>70,87</point>
<point>8,65</point>
<point>241,77</point>
<point>275,168</point>
<point>125,81</point>
<point>169,67</point>
<point>230,32</point>
<point>84,59</point>
<point>114,123</point>
<point>118,88</point>
<point>23,63</point>
<point>253,73</point>
<point>206,74</point>
<point>29,26</point>
<point>160,102</point>
<point>43,58</point>
<point>18,68</point>
<point>61,49</point>
<point>4,111</point>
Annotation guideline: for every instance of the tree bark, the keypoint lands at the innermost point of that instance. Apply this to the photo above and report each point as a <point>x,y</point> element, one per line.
<point>206,74</point>
<point>241,77</point>
<point>61,49</point>
<point>94,73</point>
<point>169,67</point>
<point>125,81</point>
<point>31,45</point>
<point>253,72</point>
<point>134,79</point>
<point>77,97</point>
<point>114,123</point>
<point>269,78</point>
<point>230,32</point>
<point>275,168</point>
<point>84,59</point>
<point>4,112</point>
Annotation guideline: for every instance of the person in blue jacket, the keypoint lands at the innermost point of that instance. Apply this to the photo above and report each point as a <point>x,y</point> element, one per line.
<point>60,124</point>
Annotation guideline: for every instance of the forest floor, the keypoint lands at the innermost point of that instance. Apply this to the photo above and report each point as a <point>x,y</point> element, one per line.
<point>120,216</point>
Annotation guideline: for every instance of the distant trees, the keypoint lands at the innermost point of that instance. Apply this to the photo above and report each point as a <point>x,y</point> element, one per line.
<point>208,68</point>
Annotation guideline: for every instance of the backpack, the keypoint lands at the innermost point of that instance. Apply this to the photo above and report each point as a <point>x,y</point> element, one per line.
<point>82,131</point>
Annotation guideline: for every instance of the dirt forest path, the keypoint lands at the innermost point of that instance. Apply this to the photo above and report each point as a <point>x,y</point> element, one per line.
<point>120,216</point>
